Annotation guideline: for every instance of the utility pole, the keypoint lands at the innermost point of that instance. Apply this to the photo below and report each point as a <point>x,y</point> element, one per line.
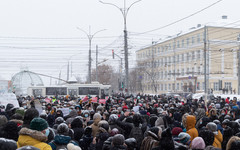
<point>90,37</point>
<point>238,55</point>
<point>96,63</point>
<point>124,12</point>
<point>205,63</point>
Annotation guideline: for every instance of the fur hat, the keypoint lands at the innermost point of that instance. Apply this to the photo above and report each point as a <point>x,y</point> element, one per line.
<point>118,139</point>
<point>38,124</point>
<point>198,143</point>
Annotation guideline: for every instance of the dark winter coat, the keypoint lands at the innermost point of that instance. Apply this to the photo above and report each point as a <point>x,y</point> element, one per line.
<point>77,127</point>
<point>166,142</point>
<point>6,144</point>
<point>60,140</point>
<point>101,138</point>
<point>85,142</point>
<point>227,134</point>
<point>118,147</point>
<point>10,131</point>
<point>150,141</point>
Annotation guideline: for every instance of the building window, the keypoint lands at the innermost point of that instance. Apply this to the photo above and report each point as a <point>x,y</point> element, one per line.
<point>198,54</point>
<point>170,74</point>
<point>215,86</point>
<point>182,43</point>
<point>188,41</point>
<point>193,70</point>
<point>198,85</point>
<point>173,87</point>
<point>165,87</point>
<point>177,86</point>
<point>182,71</point>
<point>177,58</point>
<point>178,44</point>
<point>181,86</point>
<point>165,74</point>
<point>228,85</point>
<point>169,87</point>
<point>193,40</point>
<point>193,55</point>
<point>198,38</point>
<point>188,56</point>
<point>199,70</point>
<point>169,47</point>
<point>187,70</point>
<point>182,57</point>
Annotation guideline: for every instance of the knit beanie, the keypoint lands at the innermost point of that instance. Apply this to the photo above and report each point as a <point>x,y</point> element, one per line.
<point>38,124</point>
<point>20,111</point>
<point>63,129</point>
<point>212,127</point>
<point>184,137</point>
<point>207,136</point>
<point>176,131</point>
<point>118,139</point>
<point>198,143</point>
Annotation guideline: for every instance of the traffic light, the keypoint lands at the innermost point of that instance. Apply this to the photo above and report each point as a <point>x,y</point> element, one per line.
<point>113,54</point>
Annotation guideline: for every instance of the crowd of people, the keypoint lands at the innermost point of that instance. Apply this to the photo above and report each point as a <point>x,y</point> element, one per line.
<point>124,123</point>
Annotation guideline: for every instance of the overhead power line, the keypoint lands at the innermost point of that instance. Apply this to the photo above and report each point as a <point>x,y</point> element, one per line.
<point>193,14</point>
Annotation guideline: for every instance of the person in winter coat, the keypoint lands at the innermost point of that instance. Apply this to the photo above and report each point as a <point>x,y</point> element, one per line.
<point>6,144</point>
<point>184,138</point>
<point>233,143</point>
<point>86,139</point>
<point>190,126</point>
<point>131,143</point>
<point>96,118</point>
<point>101,136</point>
<point>77,127</point>
<point>117,142</point>
<point>28,116</point>
<point>73,113</point>
<point>207,136</point>
<point>36,135</point>
<point>227,134</point>
<point>58,121</point>
<point>62,139</point>
<point>10,131</point>
<point>152,139</point>
<point>112,123</point>
<point>198,144</point>
<point>3,120</point>
<point>218,138</point>
<point>166,142</point>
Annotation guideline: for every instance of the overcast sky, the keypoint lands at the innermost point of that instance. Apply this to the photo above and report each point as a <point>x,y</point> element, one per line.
<point>43,34</point>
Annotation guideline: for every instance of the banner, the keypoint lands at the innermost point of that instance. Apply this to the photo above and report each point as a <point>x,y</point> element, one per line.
<point>94,100</point>
<point>7,98</point>
<point>102,101</point>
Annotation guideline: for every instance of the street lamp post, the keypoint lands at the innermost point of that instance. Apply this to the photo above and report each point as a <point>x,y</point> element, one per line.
<point>90,37</point>
<point>124,12</point>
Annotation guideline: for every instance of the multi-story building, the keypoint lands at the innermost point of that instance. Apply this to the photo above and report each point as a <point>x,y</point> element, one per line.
<point>177,63</point>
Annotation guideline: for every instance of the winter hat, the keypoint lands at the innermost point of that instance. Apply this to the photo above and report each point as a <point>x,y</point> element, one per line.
<point>198,143</point>
<point>113,118</point>
<point>59,120</point>
<point>118,139</point>
<point>184,137</point>
<point>207,136</point>
<point>3,120</point>
<point>28,148</point>
<point>212,127</point>
<point>176,131</point>
<point>76,123</point>
<point>114,131</point>
<point>131,143</point>
<point>161,122</point>
<point>63,129</point>
<point>88,131</point>
<point>6,144</point>
<point>103,126</point>
<point>233,143</point>
<point>152,120</point>
<point>71,146</point>
<point>29,115</point>
<point>143,112</point>
<point>38,124</point>
<point>20,112</point>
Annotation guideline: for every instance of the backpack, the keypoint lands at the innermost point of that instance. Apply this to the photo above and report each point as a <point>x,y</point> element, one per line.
<point>137,133</point>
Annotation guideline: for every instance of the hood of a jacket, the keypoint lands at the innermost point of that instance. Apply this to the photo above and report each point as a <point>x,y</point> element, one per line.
<point>191,121</point>
<point>61,139</point>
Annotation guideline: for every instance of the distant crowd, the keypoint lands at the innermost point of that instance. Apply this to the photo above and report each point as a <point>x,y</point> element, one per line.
<point>141,122</point>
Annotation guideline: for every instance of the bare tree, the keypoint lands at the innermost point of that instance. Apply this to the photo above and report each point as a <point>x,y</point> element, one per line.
<point>105,73</point>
